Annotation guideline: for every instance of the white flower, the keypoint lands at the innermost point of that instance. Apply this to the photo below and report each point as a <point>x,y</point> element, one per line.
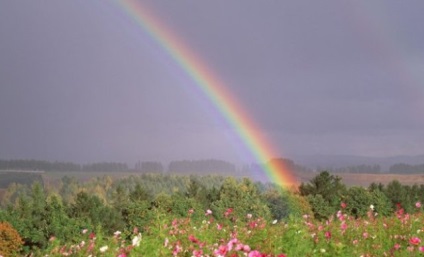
<point>136,240</point>
<point>117,233</point>
<point>322,250</point>
<point>274,222</point>
<point>103,248</point>
<point>372,207</point>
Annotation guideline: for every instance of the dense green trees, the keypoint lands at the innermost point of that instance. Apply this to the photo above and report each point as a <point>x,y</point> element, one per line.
<point>324,193</point>
<point>240,196</point>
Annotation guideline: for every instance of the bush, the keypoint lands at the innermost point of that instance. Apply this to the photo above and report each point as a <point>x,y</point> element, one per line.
<point>10,240</point>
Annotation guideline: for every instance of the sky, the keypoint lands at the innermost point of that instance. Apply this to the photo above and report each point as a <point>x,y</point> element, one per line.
<point>82,81</point>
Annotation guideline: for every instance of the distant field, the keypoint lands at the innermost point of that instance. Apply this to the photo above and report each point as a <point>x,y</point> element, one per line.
<point>52,177</point>
<point>21,177</point>
<point>366,179</point>
<point>352,179</point>
<point>349,179</point>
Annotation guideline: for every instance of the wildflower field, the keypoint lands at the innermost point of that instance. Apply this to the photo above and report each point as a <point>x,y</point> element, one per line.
<point>236,235</point>
<point>238,219</point>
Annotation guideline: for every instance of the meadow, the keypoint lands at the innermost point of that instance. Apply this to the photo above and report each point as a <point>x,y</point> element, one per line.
<point>246,235</point>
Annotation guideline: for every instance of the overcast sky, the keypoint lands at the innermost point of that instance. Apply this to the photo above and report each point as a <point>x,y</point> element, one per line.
<point>81,81</point>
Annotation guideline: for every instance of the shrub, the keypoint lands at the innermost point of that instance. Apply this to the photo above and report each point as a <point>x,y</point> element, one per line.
<point>10,240</point>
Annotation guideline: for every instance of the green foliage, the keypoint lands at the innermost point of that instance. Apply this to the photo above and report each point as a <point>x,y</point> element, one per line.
<point>358,201</point>
<point>138,215</point>
<point>60,225</point>
<point>328,186</point>
<point>324,193</point>
<point>320,207</point>
<point>91,212</point>
<point>382,204</point>
<point>13,192</point>
<point>398,195</point>
<point>278,203</point>
<point>68,189</point>
<point>298,205</point>
<point>243,197</point>
<point>163,202</point>
<point>139,194</point>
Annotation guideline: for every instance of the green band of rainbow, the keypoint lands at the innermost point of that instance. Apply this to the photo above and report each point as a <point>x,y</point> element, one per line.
<point>214,90</point>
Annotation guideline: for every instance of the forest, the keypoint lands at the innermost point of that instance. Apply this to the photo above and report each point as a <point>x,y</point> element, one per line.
<point>196,215</point>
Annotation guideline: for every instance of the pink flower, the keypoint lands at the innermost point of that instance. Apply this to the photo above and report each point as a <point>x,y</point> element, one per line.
<point>193,239</point>
<point>254,254</point>
<point>327,234</point>
<point>218,226</point>
<point>90,247</point>
<point>246,248</point>
<point>191,211</point>
<point>340,215</point>
<point>343,205</point>
<point>177,249</point>
<point>365,235</point>
<point>228,212</point>
<point>239,247</point>
<point>231,243</point>
<point>198,253</point>
<point>221,251</point>
<point>396,246</point>
<point>208,212</point>
<point>414,240</point>
<point>343,226</point>
<point>418,204</point>
<point>421,249</point>
<point>252,224</point>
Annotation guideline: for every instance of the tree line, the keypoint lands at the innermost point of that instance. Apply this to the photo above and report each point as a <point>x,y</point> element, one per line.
<point>194,166</point>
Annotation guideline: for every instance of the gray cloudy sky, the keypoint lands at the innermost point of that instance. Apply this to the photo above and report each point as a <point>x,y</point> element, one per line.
<point>81,81</point>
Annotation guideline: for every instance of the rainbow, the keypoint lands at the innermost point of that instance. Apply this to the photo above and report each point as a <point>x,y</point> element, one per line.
<point>214,89</point>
